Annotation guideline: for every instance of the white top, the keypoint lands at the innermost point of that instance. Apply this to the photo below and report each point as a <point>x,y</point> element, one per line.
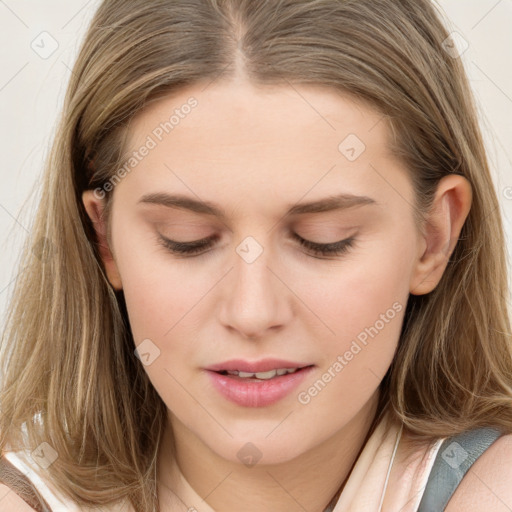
<point>362,491</point>
<point>30,469</point>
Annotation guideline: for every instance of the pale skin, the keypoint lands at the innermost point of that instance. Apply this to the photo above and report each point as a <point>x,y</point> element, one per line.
<point>255,152</point>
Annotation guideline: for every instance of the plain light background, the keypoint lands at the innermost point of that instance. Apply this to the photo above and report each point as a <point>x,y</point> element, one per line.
<point>39,42</point>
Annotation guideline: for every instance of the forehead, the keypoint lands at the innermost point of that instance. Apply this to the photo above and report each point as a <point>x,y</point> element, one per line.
<point>236,139</point>
<point>300,118</point>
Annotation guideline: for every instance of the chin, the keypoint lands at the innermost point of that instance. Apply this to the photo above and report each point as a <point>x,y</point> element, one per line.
<point>259,450</point>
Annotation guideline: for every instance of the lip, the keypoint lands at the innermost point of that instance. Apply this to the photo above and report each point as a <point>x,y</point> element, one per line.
<point>263,365</point>
<point>257,393</point>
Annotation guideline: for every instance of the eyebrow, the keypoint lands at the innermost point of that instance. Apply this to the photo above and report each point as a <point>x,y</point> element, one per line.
<point>331,203</point>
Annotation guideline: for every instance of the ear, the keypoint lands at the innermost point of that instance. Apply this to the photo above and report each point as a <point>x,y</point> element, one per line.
<point>95,207</point>
<point>443,225</point>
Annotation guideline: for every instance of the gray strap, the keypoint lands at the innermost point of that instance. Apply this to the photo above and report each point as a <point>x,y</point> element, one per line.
<point>454,458</point>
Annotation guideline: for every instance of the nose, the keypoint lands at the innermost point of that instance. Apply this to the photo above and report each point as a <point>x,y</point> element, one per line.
<point>256,299</point>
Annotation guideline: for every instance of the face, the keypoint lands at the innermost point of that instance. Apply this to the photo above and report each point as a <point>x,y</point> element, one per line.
<point>259,286</point>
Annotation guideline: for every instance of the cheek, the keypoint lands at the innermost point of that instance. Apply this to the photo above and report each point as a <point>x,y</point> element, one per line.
<point>159,290</point>
<point>160,300</point>
<point>361,303</point>
<point>365,310</point>
<point>351,294</point>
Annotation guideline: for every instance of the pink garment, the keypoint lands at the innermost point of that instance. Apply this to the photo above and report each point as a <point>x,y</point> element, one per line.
<point>364,488</point>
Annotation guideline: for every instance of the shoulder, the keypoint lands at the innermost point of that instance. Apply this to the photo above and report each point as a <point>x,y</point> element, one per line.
<point>11,502</point>
<point>487,484</point>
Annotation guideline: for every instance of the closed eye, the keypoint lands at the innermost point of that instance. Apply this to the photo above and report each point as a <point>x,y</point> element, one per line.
<point>199,247</point>
<point>332,249</point>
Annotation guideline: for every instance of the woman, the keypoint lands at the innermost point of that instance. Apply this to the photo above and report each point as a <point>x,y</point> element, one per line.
<point>270,271</point>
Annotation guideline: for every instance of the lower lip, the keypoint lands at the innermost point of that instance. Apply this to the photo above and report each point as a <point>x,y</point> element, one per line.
<point>251,393</point>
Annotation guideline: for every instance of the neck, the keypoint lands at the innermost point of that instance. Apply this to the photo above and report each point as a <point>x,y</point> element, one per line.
<point>194,477</point>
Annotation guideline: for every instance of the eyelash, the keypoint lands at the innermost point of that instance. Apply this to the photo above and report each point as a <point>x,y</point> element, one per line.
<point>196,248</point>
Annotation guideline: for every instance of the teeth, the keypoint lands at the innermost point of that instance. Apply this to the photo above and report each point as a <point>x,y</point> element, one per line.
<point>262,375</point>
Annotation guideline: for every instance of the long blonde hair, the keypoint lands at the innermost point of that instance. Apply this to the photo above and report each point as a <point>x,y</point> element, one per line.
<point>67,352</point>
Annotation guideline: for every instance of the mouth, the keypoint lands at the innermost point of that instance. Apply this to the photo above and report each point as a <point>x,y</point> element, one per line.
<point>243,366</point>
<point>261,376</point>
<point>258,388</point>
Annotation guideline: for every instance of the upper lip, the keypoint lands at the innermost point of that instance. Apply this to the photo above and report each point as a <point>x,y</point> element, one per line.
<point>264,365</point>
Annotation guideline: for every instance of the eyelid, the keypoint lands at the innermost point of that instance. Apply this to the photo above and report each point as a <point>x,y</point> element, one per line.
<point>333,249</point>
<point>176,245</point>
<point>191,249</point>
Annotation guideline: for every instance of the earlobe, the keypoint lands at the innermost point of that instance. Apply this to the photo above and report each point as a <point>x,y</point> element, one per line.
<point>94,207</point>
<point>444,223</point>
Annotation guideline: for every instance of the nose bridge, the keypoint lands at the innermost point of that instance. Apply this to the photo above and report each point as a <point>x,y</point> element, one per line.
<point>255,299</point>
<point>255,284</point>
<point>252,272</point>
